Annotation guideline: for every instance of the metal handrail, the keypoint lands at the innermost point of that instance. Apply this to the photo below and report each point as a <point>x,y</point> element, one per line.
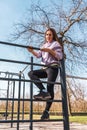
<point>17,45</point>
<point>63,86</point>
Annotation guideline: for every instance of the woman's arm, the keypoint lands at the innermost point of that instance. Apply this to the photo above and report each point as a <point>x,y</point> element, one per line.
<point>52,52</point>
<point>30,49</point>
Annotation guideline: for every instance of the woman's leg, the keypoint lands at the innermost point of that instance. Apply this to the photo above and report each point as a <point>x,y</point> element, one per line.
<point>52,75</point>
<point>35,75</point>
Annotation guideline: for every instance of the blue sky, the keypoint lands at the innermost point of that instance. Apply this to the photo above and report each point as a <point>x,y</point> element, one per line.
<point>12,12</point>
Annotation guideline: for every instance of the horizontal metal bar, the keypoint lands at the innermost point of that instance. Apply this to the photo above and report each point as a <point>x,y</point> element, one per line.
<point>35,113</point>
<point>16,99</point>
<point>17,45</point>
<point>26,80</point>
<point>27,63</point>
<point>20,62</point>
<point>15,121</point>
<point>14,61</point>
<point>9,73</point>
<point>76,77</point>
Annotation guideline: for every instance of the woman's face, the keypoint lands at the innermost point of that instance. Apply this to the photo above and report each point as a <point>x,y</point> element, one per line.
<point>49,36</point>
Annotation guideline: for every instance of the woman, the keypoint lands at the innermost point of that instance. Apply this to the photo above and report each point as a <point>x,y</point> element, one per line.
<point>51,54</point>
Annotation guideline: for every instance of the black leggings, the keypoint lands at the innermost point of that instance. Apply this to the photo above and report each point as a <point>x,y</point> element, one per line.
<point>51,75</point>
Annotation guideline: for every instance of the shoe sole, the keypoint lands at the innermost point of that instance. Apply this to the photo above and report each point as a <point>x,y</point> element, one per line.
<point>46,98</point>
<point>43,98</point>
<point>45,119</point>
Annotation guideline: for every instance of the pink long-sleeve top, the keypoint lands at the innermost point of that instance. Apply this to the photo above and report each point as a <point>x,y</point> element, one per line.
<point>47,58</point>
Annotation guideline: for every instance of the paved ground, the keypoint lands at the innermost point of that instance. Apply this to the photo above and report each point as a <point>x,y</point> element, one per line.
<point>43,126</point>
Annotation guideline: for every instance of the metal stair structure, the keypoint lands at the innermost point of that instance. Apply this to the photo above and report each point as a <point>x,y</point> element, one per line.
<point>20,80</point>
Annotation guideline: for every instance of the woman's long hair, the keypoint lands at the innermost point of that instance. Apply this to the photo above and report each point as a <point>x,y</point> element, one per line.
<point>55,37</point>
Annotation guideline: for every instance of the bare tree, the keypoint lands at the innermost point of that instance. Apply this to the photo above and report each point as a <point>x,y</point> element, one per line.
<point>69,23</point>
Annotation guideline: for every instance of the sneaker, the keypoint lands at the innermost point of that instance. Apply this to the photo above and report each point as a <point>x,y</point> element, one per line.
<point>38,96</point>
<point>43,96</point>
<point>45,115</point>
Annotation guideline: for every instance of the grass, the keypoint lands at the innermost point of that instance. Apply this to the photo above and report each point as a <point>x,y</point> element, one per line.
<point>78,119</point>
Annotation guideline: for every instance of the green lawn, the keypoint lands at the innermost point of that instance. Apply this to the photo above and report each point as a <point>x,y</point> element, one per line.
<point>78,119</point>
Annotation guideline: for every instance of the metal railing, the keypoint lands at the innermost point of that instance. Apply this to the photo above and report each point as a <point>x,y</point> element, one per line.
<point>20,79</point>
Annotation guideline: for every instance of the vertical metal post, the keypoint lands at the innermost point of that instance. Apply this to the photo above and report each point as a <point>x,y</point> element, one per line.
<point>13,103</point>
<point>64,96</point>
<point>31,97</point>
<point>19,93</point>
<point>23,100</point>
<point>6,113</point>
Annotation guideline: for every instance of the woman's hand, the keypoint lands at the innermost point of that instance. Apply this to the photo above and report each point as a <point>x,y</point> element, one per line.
<point>30,48</point>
